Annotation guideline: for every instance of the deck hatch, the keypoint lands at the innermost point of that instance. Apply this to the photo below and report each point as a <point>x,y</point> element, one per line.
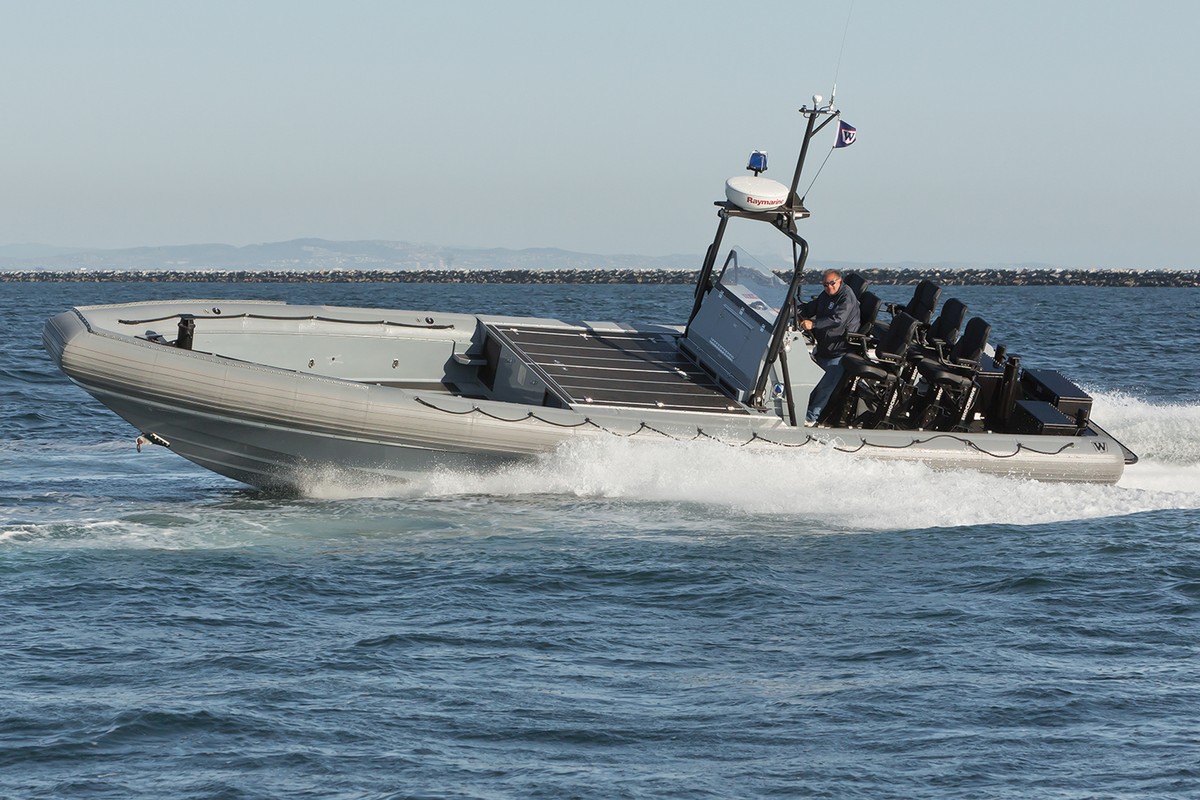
<point>628,369</point>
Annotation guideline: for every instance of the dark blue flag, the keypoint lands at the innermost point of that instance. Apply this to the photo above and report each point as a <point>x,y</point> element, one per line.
<point>847,133</point>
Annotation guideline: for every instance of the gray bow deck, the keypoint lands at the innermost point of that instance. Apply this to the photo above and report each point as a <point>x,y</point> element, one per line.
<point>641,370</point>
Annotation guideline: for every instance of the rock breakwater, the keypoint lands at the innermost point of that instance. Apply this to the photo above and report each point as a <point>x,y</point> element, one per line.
<point>883,276</point>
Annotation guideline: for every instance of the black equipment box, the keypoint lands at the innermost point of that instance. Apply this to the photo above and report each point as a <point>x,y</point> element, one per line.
<point>1051,386</point>
<point>1038,416</point>
<point>989,378</point>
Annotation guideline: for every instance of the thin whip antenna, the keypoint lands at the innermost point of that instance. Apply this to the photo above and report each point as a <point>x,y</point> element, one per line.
<point>832,95</point>
<point>838,69</point>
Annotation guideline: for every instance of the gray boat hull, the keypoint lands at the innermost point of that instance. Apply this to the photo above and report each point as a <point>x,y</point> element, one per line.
<point>315,410</point>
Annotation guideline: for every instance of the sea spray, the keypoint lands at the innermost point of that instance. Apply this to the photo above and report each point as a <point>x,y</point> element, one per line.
<point>825,488</point>
<point>1166,433</point>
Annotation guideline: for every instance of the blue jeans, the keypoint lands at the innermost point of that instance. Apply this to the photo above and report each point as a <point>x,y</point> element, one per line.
<point>824,388</point>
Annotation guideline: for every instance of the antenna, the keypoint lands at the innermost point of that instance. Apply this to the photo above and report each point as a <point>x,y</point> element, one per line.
<point>837,70</point>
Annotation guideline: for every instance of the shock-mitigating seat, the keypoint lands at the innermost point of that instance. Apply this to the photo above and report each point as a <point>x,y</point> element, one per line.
<point>874,384</point>
<point>951,386</point>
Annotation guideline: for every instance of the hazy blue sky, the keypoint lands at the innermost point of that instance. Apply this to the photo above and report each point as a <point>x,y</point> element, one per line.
<point>1058,132</point>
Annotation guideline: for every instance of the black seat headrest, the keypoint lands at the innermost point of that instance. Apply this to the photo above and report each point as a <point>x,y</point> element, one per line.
<point>857,283</point>
<point>899,336</point>
<point>969,348</point>
<point>868,311</point>
<point>945,328</point>
<point>923,301</point>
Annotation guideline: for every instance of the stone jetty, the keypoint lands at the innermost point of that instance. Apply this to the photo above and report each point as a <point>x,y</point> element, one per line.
<point>882,276</point>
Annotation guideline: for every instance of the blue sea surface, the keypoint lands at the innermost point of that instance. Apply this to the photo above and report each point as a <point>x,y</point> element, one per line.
<point>612,620</point>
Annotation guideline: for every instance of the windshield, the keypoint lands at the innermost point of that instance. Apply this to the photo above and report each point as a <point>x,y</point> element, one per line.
<point>760,288</point>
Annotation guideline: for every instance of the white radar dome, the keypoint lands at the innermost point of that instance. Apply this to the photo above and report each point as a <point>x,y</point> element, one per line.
<point>754,193</point>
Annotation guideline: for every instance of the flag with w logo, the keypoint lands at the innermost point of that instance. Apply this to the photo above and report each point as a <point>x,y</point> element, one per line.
<point>847,133</point>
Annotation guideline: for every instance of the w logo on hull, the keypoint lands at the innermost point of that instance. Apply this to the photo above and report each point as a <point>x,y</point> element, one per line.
<point>1101,447</point>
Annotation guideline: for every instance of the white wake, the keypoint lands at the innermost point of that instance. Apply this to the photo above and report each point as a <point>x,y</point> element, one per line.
<point>846,492</point>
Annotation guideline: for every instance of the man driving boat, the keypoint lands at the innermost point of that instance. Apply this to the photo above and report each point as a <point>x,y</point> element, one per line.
<point>829,316</point>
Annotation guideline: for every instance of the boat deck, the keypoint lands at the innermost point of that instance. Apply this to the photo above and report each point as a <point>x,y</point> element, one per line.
<point>634,369</point>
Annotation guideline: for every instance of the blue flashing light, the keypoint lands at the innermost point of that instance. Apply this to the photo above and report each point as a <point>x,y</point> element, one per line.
<point>758,162</point>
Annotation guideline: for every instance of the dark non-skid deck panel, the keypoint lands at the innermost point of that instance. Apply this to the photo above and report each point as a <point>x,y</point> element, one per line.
<point>622,381</point>
<point>619,369</point>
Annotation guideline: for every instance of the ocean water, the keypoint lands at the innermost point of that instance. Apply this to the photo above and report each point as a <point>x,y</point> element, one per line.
<point>615,619</point>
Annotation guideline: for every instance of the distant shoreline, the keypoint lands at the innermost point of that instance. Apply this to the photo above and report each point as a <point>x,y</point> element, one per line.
<point>883,276</point>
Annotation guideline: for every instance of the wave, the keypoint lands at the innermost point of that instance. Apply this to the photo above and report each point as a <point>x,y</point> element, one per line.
<point>619,480</point>
<point>68,444</point>
<point>1163,433</point>
<point>843,492</point>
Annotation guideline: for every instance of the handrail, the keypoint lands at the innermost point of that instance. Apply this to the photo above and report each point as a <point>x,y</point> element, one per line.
<point>312,317</point>
<point>710,260</point>
<point>786,311</point>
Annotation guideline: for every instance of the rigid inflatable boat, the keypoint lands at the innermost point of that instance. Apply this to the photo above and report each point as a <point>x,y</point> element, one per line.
<point>267,393</point>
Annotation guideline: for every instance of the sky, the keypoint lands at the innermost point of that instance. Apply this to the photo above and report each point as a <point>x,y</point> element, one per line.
<point>1061,133</point>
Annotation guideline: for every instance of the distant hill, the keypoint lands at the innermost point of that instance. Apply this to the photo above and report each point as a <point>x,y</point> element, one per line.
<point>304,255</point>
<point>320,254</point>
